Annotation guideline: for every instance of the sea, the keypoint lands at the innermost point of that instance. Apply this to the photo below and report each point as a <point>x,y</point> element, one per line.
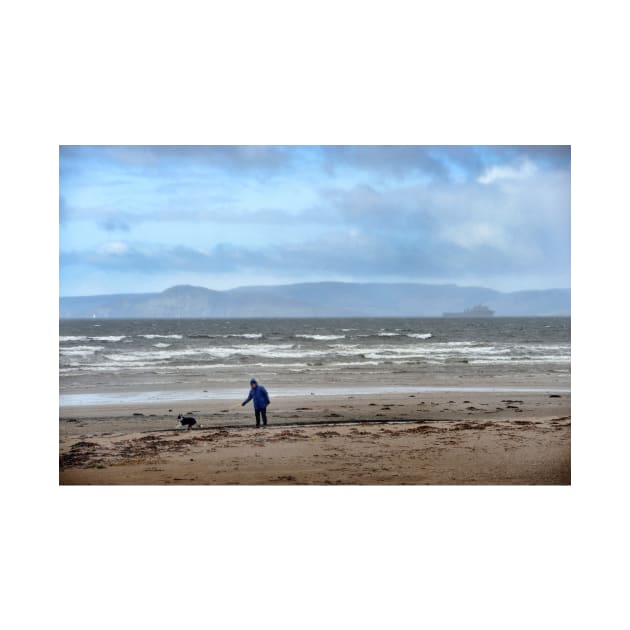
<point>110,361</point>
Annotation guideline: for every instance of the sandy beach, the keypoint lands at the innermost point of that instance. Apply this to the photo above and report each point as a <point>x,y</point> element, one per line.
<point>432,438</point>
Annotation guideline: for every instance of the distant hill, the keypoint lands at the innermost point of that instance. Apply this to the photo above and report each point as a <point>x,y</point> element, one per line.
<point>317,299</point>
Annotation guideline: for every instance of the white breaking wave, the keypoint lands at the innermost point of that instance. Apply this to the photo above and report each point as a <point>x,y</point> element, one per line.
<point>112,338</point>
<point>358,363</point>
<point>74,368</point>
<point>80,351</point>
<point>322,337</point>
<point>420,335</point>
<point>207,336</point>
<point>163,351</point>
<point>522,360</point>
<point>63,338</point>
<point>210,353</point>
<point>152,355</point>
<point>161,336</point>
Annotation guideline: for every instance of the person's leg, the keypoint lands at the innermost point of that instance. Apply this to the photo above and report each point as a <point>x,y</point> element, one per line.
<point>257,412</point>
<point>264,416</point>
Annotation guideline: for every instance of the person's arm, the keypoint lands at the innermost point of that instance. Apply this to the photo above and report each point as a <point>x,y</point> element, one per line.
<point>248,398</point>
<point>267,397</point>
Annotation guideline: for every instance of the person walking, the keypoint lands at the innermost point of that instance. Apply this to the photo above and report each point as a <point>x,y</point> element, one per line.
<point>259,395</point>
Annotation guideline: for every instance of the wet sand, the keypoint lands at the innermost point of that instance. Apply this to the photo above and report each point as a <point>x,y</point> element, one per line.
<point>438,438</point>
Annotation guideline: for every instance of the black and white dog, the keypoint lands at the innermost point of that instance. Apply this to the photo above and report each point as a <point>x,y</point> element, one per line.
<point>186,421</point>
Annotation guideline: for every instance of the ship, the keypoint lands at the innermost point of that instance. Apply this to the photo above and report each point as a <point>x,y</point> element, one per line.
<point>476,311</point>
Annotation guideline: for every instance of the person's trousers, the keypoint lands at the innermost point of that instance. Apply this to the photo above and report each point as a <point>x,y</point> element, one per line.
<point>263,413</point>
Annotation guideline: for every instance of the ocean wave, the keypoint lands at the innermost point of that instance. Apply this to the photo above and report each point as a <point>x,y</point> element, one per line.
<point>97,368</point>
<point>335,365</point>
<point>322,337</point>
<point>564,347</point>
<point>395,334</point>
<point>80,350</point>
<point>110,338</point>
<point>161,336</point>
<point>162,355</point>
<point>74,369</point>
<point>151,355</point>
<point>210,353</point>
<point>520,360</point>
<point>318,363</point>
<point>241,335</point>
<point>63,338</point>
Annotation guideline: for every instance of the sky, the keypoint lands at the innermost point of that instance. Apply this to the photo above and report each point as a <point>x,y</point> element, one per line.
<point>144,218</point>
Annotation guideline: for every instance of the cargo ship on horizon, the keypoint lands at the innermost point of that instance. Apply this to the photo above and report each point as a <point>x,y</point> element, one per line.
<point>479,310</point>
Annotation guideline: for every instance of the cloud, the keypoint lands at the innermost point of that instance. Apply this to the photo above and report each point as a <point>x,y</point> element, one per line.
<point>495,173</point>
<point>445,213</point>
<point>477,249</point>
<point>156,258</point>
<point>115,248</point>
<point>112,220</point>
<point>106,218</point>
<point>473,235</point>
<point>441,163</point>
<point>63,210</point>
<point>115,223</point>
<point>155,158</point>
<point>392,160</point>
<point>435,162</point>
<point>545,156</point>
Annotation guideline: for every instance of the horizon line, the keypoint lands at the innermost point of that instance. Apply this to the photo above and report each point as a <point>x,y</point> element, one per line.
<point>251,286</point>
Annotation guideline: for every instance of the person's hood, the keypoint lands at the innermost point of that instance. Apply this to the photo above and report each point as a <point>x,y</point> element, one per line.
<point>252,381</point>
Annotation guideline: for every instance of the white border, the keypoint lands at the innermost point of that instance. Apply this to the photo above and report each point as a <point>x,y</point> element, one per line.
<point>280,72</point>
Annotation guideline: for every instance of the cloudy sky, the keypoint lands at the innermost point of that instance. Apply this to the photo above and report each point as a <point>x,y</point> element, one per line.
<point>143,218</point>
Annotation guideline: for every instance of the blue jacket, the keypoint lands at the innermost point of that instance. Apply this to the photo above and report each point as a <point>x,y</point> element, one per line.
<point>260,397</point>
